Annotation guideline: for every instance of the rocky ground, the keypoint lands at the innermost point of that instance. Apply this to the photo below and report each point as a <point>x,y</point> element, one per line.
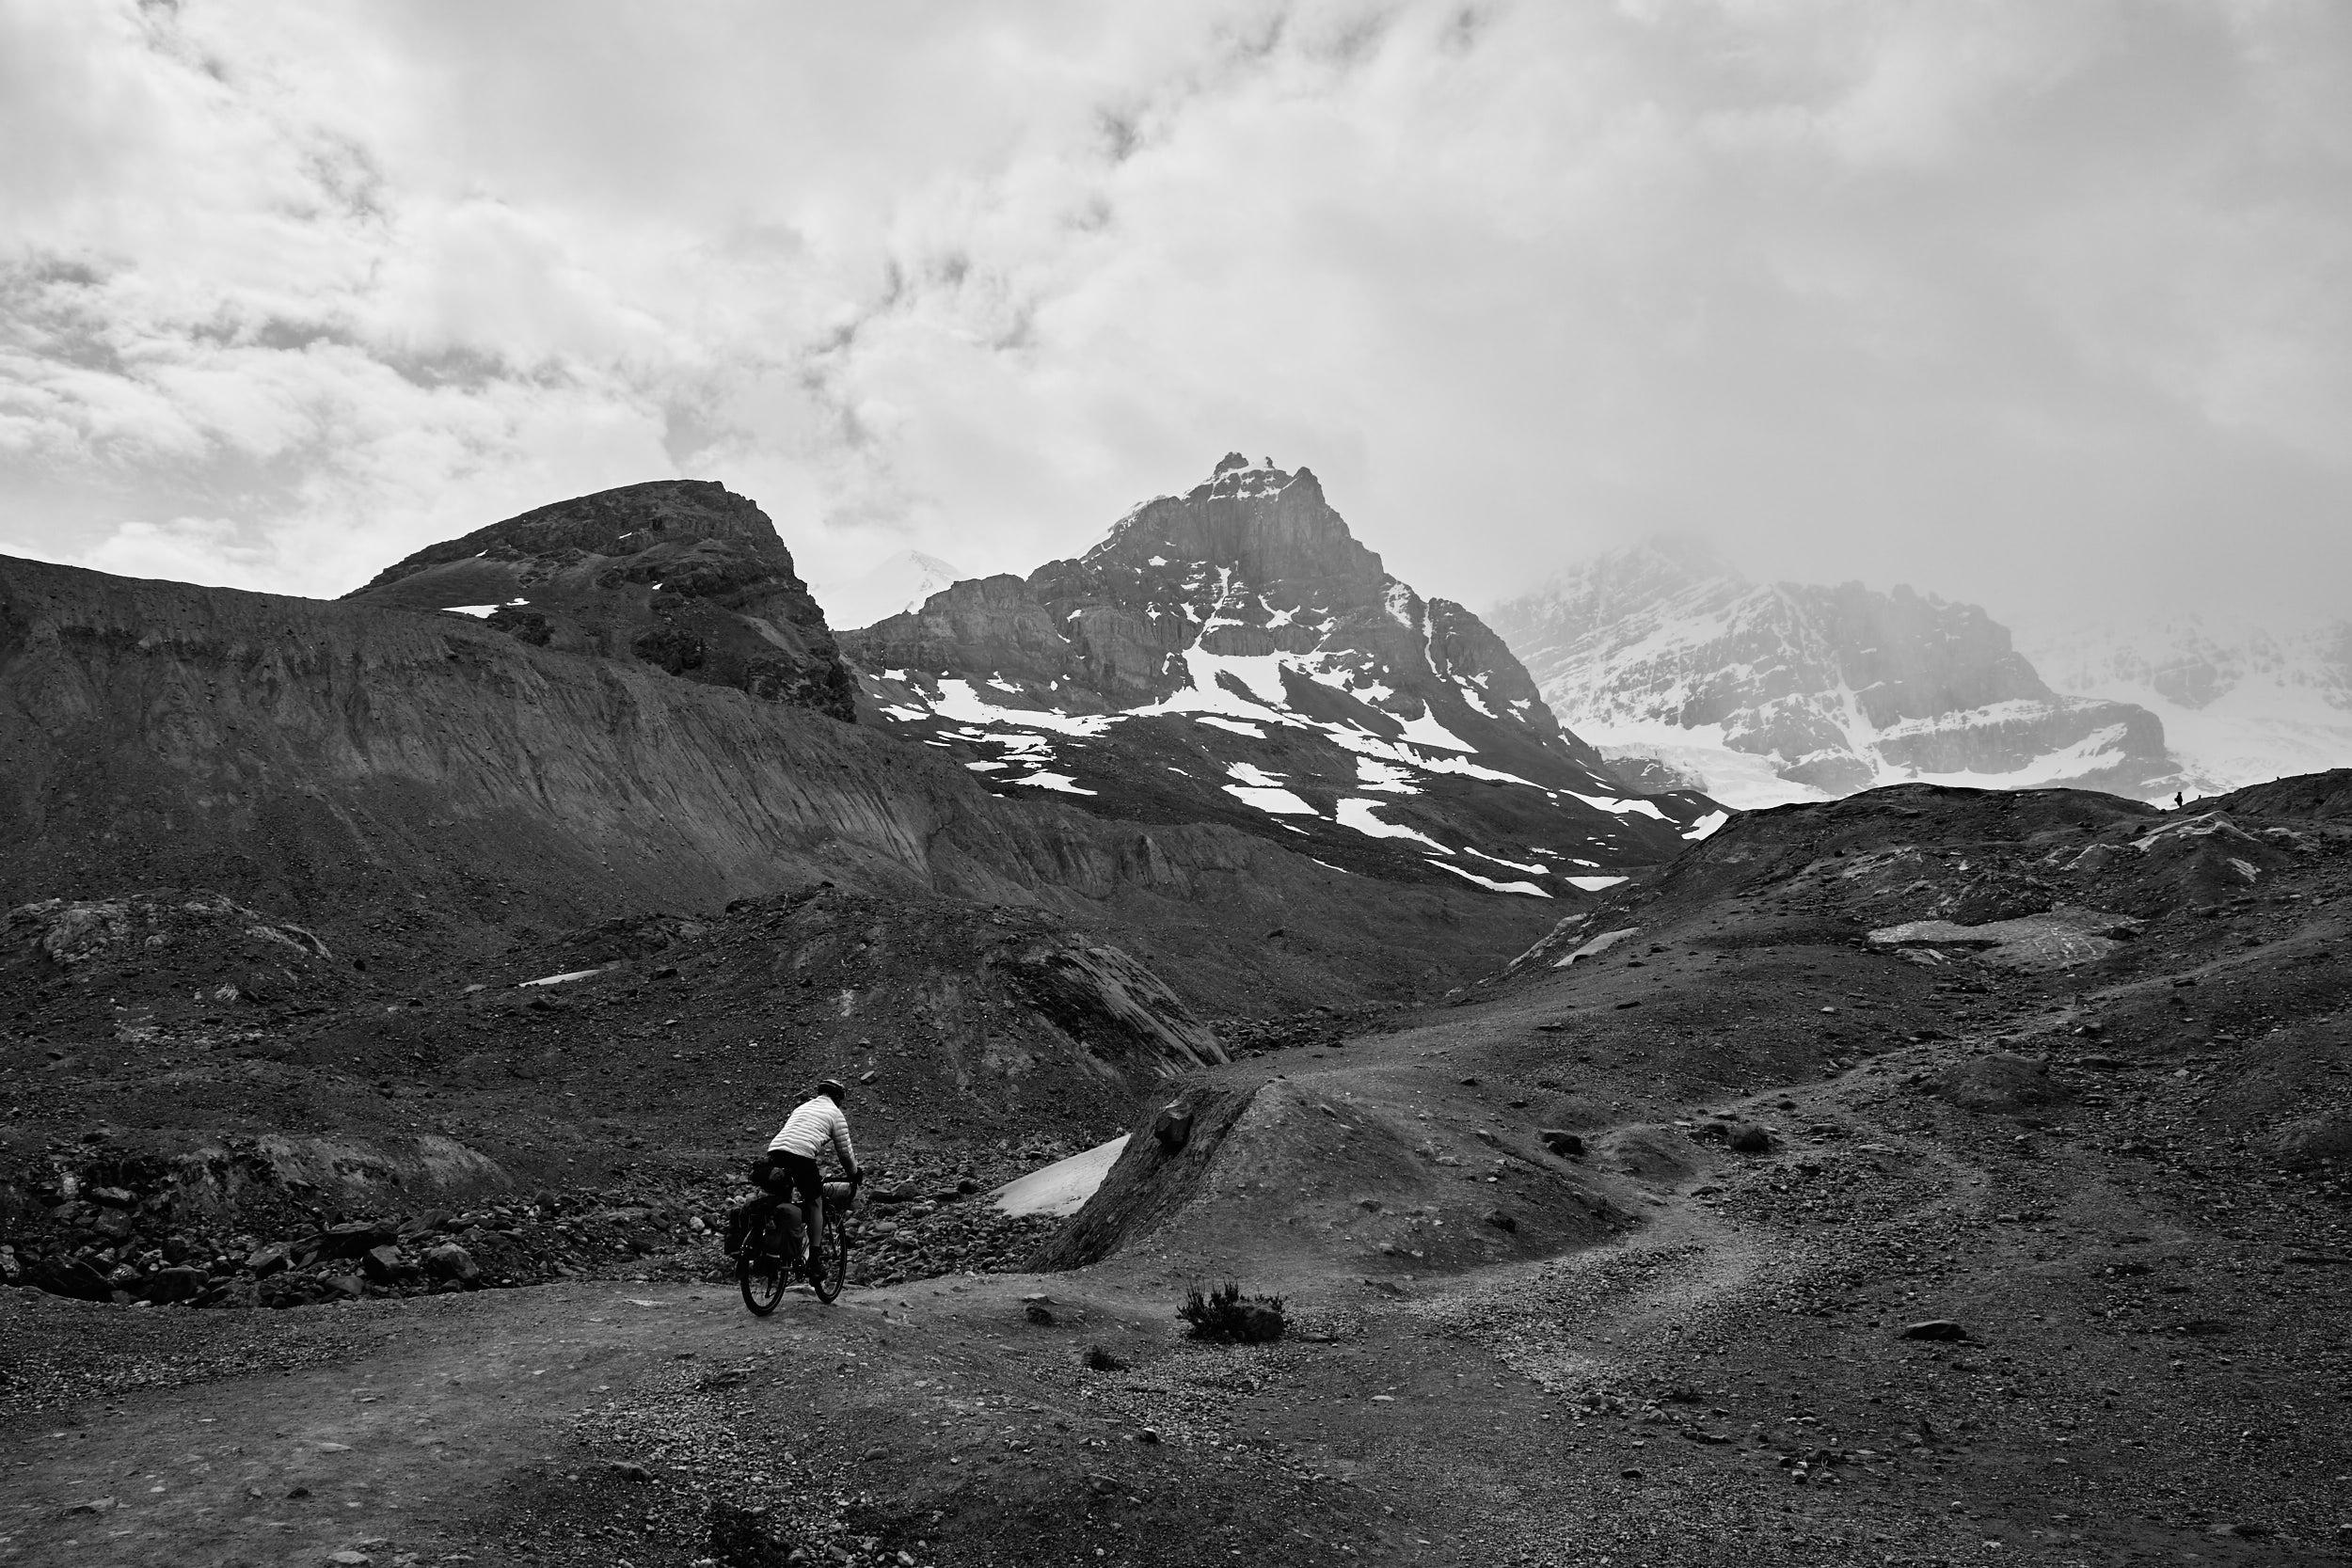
<point>1928,1178</point>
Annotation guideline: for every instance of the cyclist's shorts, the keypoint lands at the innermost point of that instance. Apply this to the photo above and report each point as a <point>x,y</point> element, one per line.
<point>793,1175</point>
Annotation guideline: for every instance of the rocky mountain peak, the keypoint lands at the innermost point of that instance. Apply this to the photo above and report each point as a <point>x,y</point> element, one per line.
<point>681,573</point>
<point>1678,666</point>
<point>1235,654</point>
<point>1268,530</point>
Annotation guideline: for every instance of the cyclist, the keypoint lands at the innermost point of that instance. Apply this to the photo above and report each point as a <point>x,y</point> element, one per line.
<point>792,1163</point>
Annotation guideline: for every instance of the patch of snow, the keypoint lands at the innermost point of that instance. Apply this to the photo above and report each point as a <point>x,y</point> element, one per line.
<point>1598,946</point>
<point>1396,601</point>
<point>1622,808</point>
<point>1235,726</point>
<point>564,979</point>
<point>1529,888</point>
<point>1062,782</point>
<point>1515,865</point>
<point>958,701</point>
<point>1593,884</point>
<point>1359,815</point>
<point>1426,731</point>
<point>476,611</point>
<point>1279,801</point>
<point>1705,827</point>
<point>1062,1188</point>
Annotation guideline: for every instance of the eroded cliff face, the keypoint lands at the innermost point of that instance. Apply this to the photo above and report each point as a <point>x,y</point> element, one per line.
<point>1235,655</point>
<point>374,769</point>
<point>1662,657</point>
<point>683,574</point>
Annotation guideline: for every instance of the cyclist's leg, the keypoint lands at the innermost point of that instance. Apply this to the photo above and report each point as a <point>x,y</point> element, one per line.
<point>813,1217</point>
<point>809,1183</point>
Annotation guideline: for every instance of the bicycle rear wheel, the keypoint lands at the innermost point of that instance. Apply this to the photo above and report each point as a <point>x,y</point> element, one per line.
<point>762,1270</point>
<point>834,1245</point>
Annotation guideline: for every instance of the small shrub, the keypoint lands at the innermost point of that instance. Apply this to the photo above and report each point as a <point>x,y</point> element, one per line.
<point>1226,1317</point>
<point>1097,1360</point>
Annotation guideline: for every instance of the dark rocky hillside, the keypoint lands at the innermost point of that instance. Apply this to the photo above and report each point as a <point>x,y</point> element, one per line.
<point>420,785</point>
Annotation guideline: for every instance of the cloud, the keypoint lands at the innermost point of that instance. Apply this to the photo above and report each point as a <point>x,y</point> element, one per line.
<point>1898,290</point>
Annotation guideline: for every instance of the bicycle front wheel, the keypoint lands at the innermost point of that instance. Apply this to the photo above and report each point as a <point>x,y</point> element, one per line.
<point>835,1242</point>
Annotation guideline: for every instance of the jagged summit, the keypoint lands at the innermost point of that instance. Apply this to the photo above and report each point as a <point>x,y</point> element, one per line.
<point>681,573</point>
<point>1274,528</point>
<point>1762,693</point>
<point>1245,611</point>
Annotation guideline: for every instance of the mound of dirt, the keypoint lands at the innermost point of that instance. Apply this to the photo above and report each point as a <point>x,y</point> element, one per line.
<point>2003,1083</point>
<point>186,961</point>
<point>1157,1174</point>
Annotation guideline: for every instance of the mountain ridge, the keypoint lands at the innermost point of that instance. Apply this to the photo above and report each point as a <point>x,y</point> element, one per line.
<point>683,573</point>
<point>1776,692</point>
<point>312,755</point>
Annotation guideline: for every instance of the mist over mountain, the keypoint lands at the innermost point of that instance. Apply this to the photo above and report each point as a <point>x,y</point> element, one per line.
<point>2245,697</point>
<point>1683,671</point>
<point>891,587</point>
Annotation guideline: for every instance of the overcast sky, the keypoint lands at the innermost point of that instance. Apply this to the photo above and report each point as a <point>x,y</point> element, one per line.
<point>2022,303</point>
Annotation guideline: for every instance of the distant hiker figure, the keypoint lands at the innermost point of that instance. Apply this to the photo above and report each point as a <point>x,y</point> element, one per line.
<point>2176,799</point>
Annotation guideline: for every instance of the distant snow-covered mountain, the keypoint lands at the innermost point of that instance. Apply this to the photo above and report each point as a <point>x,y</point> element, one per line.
<point>895,586</point>
<point>1684,672</point>
<point>1234,656</point>
<point>2243,701</point>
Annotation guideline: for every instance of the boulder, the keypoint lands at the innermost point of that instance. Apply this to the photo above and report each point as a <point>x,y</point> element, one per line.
<point>355,1238</point>
<point>63,1274</point>
<point>452,1262</point>
<point>1567,1145</point>
<point>1253,1323</point>
<point>1938,1329</point>
<point>176,1284</point>
<point>386,1265</point>
<point>1172,1127</point>
<point>273,1259</point>
<point>1749,1139</point>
